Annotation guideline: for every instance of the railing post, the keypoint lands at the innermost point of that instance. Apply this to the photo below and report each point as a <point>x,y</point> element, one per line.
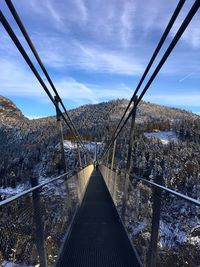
<point>85,159</point>
<point>132,134</point>
<point>79,187</point>
<point>95,159</point>
<point>81,184</point>
<point>157,198</point>
<point>110,181</point>
<point>79,155</point>
<point>128,165</point>
<point>59,124</point>
<point>115,185</point>
<point>39,225</point>
<point>107,168</point>
<point>68,199</point>
<point>113,154</point>
<point>125,196</point>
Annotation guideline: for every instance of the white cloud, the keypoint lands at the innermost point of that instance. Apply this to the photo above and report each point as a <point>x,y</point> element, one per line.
<point>87,57</point>
<point>83,10</point>
<point>101,36</point>
<point>191,36</point>
<point>109,37</point>
<point>72,89</point>
<point>106,60</point>
<point>54,14</point>
<point>16,80</point>
<point>127,22</point>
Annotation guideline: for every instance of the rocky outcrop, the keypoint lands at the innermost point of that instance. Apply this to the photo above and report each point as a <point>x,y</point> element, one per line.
<point>28,147</point>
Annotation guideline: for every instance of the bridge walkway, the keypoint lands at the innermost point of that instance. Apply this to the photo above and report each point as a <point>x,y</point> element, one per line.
<point>98,238</point>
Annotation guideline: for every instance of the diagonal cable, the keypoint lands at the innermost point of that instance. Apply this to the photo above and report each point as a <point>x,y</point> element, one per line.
<point>29,62</point>
<point>30,43</point>
<point>170,48</point>
<point>160,44</point>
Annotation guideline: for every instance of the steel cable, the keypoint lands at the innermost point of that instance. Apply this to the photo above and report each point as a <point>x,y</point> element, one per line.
<point>170,48</point>
<point>32,67</point>
<point>30,43</point>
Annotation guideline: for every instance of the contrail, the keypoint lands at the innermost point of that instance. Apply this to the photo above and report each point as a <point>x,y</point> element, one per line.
<point>187,76</point>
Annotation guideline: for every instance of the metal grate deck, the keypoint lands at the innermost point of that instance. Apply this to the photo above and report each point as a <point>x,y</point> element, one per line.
<point>97,238</point>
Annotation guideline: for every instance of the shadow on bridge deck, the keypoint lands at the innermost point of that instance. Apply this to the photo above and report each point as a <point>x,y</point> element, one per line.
<point>97,237</point>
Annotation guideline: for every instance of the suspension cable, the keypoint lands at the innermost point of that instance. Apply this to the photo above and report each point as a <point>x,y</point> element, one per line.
<point>32,67</point>
<point>159,46</point>
<point>33,49</point>
<point>170,48</point>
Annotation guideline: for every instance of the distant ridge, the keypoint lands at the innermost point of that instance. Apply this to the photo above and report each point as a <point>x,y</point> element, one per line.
<point>30,147</point>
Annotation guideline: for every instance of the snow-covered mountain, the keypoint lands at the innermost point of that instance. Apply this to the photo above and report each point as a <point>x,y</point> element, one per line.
<point>28,147</point>
<point>99,119</point>
<point>166,146</point>
<point>31,147</point>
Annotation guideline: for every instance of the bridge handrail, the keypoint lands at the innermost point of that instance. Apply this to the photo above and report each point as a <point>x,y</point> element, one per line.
<point>66,176</point>
<point>166,189</point>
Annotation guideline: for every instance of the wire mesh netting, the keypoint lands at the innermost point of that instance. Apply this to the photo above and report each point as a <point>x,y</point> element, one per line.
<point>33,227</point>
<point>138,216</point>
<point>133,202</point>
<point>179,240</point>
<point>179,231</point>
<point>16,232</point>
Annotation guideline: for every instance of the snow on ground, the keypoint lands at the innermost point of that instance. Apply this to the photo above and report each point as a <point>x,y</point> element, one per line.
<point>69,144</point>
<point>9,191</point>
<point>194,240</point>
<point>194,237</point>
<point>89,145</point>
<point>170,234</point>
<point>164,136</point>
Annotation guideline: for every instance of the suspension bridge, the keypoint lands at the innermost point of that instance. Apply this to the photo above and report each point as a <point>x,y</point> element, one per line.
<point>83,218</point>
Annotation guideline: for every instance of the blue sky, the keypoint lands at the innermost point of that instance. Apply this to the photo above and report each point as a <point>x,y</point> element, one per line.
<point>97,50</point>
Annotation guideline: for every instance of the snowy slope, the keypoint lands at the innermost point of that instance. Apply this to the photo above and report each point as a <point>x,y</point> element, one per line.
<point>164,136</point>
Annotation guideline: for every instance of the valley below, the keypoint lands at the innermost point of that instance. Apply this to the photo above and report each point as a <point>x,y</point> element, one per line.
<point>166,147</point>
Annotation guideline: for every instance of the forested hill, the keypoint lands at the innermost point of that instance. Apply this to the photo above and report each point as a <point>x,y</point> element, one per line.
<point>166,146</point>
<point>30,147</point>
<point>98,119</point>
